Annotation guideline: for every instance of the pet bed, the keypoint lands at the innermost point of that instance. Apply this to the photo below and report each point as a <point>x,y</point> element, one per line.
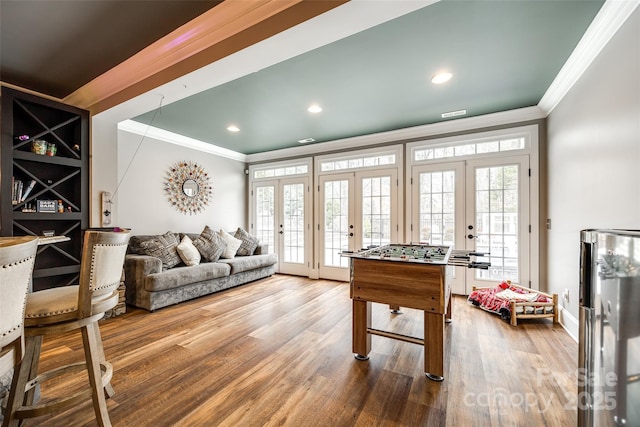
<point>513,302</point>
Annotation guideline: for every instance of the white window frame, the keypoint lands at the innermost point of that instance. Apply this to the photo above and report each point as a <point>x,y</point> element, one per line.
<point>396,150</point>
<point>530,133</point>
<point>309,214</point>
<point>280,169</point>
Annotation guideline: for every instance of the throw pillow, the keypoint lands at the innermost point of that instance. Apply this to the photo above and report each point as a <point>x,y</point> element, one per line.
<point>249,242</point>
<point>232,245</point>
<point>210,244</point>
<point>188,252</point>
<point>163,247</point>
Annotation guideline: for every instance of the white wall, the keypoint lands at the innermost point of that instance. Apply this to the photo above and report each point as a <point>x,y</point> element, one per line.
<point>141,203</point>
<point>594,158</point>
<point>103,173</point>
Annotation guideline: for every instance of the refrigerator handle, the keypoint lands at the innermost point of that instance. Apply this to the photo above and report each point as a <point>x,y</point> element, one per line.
<point>586,274</point>
<point>585,365</point>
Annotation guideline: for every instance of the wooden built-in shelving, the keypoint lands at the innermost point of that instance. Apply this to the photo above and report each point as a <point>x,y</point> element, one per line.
<point>62,177</point>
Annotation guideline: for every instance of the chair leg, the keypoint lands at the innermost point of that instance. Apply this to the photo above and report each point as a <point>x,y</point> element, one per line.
<point>92,356</point>
<point>33,370</point>
<point>108,388</point>
<point>21,376</point>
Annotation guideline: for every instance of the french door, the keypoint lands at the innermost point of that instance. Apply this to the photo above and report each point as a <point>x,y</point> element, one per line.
<point>477,205</point>
<point>437,216</point>
<point>282,220</point>
<point>356,210</point>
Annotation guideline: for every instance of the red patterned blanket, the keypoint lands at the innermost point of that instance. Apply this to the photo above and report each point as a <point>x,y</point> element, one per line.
<point>497,300</point>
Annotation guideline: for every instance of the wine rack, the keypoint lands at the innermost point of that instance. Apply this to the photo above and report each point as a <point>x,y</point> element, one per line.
<point>45,181</point>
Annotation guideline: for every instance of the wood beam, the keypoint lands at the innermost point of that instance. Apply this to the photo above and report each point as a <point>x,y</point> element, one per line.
<point>223,30</point>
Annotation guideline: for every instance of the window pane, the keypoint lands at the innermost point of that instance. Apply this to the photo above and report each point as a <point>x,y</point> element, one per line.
<point>437,208</point>
<point>512,144</point>
<point>335,222</point>
<point>465,150</point>
<point>488,147</point>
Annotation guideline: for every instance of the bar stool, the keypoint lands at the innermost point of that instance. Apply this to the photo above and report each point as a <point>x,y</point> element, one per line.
<point>59,310</point>
<point>17,256</point>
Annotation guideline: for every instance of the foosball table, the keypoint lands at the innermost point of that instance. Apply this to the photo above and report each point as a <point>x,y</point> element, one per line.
<point>409,275</point>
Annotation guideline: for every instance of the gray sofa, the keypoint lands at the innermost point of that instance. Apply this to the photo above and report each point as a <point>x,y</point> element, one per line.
<point>149,286</point>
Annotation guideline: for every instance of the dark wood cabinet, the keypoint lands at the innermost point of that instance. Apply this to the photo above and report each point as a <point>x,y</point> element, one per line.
<point>45,165</point>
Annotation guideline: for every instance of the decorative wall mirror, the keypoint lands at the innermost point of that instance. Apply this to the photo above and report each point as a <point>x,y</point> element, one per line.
<point>188,188</point>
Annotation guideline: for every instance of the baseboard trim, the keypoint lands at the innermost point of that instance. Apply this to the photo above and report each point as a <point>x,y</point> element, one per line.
<point>568,322</point>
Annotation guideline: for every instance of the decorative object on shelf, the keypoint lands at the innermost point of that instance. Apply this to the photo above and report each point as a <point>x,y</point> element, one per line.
<point>39,146</point>
<point>51,149</point>
<point>188,188</point>
<point>47,205</point>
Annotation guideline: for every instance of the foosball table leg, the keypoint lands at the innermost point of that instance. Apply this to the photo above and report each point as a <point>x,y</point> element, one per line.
<point>434,346</point>
<point>361,339</point>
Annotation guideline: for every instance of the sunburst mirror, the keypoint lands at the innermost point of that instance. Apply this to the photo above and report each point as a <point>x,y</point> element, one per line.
<point>188,187</point>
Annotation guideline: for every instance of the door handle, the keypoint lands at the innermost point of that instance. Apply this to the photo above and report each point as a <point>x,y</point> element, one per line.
<point>350,235</point>
<point>471,236</point>
<point>281,232</point>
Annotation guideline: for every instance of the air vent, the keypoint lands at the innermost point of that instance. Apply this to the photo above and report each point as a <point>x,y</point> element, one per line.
<point>454,114</point>
<point>304,141</point>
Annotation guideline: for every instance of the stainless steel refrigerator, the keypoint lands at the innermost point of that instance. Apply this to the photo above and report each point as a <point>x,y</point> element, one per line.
<point>609,344</point>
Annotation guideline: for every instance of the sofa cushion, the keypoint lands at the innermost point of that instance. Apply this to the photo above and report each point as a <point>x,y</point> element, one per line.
<point>249,242</point>
<point>240,264</point>
<point>188,253</point>
<point>210,244</point>
<point>232,245</point>
<point>137,240</point>
<point>181,276</point>
<point>163,247</point>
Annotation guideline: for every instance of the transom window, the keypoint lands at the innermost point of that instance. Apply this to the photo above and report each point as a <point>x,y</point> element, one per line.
<point>469,149</point>
<point>281,171</point>
<point>358,162</point>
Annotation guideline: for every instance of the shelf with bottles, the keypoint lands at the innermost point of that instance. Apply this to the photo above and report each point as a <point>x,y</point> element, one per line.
<point>33,183</point>
<point>25,155</point>
<point>43,131</point>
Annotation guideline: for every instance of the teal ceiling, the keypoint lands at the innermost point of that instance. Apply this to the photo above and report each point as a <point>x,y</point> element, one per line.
<point>503,55</point>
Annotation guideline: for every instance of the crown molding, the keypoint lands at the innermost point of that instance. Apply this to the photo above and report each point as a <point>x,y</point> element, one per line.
<point>395,136</point>
<point>411,133</point>
<point>607,22</point>
<point>147,131</point>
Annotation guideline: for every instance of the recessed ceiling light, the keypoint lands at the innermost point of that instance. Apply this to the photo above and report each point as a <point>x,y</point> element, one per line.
<point>304,141</point>
<point>314,108</point>
<point>233,128</point>
<point>454,114</point>
<point>441,78</point>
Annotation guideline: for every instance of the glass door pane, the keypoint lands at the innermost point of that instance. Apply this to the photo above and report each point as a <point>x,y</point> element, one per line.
<point>497,221</point>
<point>437,207</point>
<point>265,215</point>
<point>500,219</point>
<point>293,224</point>
<point>376,211</point>
<point>336,222</point>
<point>437,211</point>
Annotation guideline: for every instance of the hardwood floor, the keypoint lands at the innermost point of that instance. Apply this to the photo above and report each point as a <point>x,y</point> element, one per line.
<point>278,352</point>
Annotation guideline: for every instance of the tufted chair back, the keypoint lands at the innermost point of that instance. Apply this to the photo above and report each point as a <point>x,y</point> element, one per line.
<point>17,256</point>
<point>102,260</point>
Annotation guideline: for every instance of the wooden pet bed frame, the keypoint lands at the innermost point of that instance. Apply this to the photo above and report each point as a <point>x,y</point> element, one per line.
<point>531,310</point>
